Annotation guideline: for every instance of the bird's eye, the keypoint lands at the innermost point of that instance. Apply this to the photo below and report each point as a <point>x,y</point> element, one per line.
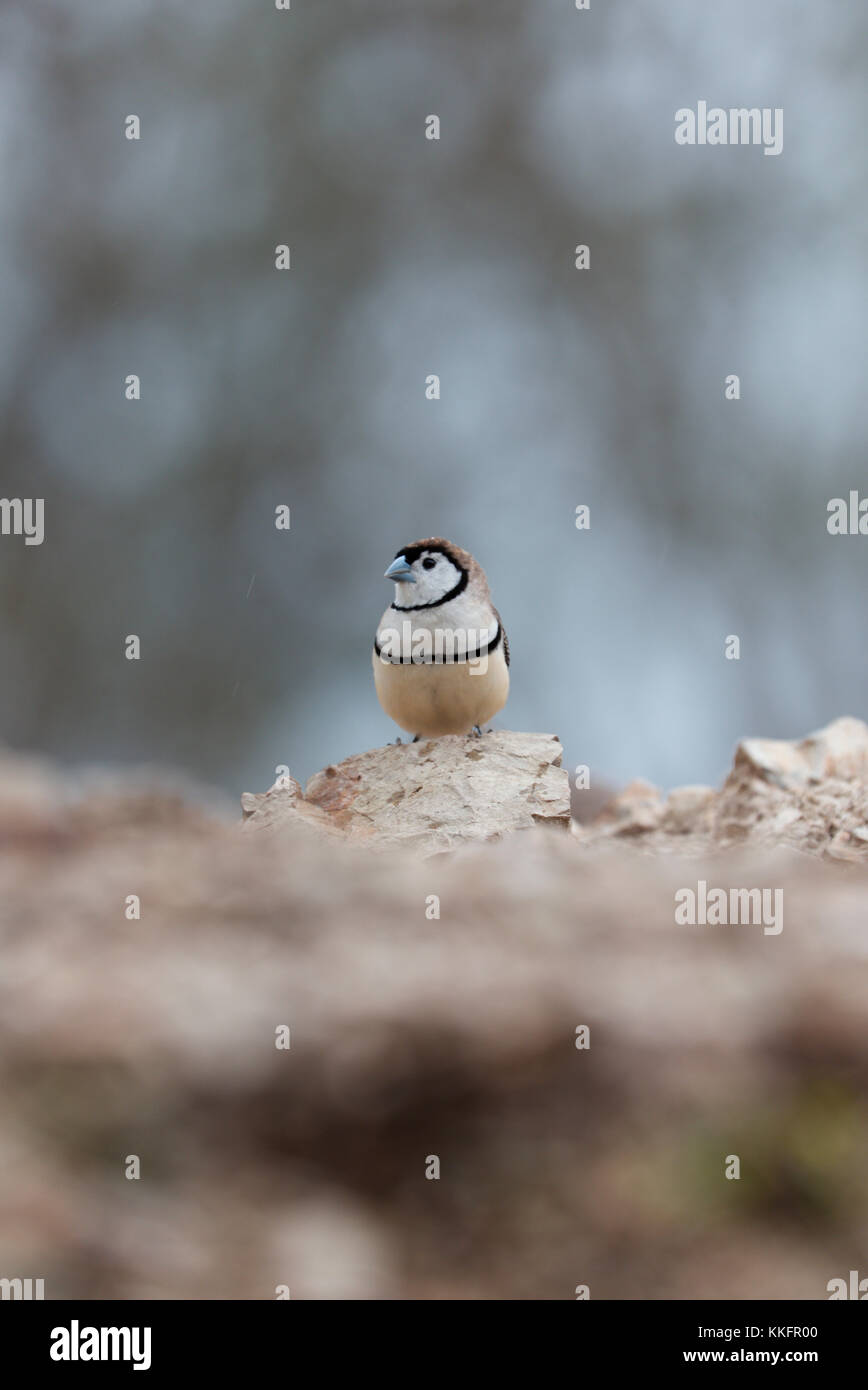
<point>428,563</point>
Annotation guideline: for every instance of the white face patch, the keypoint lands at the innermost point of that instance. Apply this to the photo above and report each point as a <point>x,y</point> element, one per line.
<point>435,576</point>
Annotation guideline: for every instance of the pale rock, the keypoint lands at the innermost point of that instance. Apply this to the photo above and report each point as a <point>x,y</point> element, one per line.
<point>635,810</point>
<point>283,807</point>
<point>688,809</point>
<point>840,750</point>
<point>775,760</point>
<point>809,795</point>
<point>430,796</point>
<point>844,846</point>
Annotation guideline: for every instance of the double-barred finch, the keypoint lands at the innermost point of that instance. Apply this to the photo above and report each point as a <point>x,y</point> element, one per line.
<point>441,658</point>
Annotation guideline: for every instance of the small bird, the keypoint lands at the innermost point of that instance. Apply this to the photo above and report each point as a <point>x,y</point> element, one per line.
<point>441,657</point>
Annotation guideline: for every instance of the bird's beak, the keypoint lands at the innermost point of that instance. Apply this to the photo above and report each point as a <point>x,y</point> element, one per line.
<point>400,571</point>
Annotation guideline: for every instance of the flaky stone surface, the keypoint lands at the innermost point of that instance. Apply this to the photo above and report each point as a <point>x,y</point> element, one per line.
<point>429,796</point>
<point>283,807</point>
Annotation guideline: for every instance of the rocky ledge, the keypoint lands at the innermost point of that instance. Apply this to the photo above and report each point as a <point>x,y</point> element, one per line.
<point>429,796</point>
<point>810,795</point>
<point>439,794</point>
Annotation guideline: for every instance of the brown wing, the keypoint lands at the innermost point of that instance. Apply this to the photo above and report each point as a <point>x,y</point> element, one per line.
<point>503,631</point>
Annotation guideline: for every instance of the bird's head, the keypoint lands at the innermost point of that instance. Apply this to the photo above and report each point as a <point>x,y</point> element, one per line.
<point>428,573</point>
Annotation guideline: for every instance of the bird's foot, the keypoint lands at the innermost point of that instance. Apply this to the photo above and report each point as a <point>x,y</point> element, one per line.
<point>477,731</point>
<point>416,738</point>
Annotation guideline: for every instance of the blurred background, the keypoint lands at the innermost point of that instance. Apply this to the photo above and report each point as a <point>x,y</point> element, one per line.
<point>412,257</point>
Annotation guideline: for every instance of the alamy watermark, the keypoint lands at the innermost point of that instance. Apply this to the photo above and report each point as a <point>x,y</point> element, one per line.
<point>441,646</point>
<point>847,516</point>
<point>24,1289</point>
<point>740,125</point>
<point>76,1343</point>
<point>854,1288</point>
<point>23,517</point>
<point>715,907</point>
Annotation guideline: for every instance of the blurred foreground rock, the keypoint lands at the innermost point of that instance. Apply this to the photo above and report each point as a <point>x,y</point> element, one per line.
<point>433,1007</point>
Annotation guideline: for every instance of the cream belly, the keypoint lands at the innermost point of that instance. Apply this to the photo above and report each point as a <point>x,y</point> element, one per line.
<point>432,699</point>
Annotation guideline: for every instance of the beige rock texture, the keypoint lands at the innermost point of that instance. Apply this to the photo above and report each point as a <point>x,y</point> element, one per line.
<point>429,796</point>
<point>433,1002</point>
<point>810,796</point>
